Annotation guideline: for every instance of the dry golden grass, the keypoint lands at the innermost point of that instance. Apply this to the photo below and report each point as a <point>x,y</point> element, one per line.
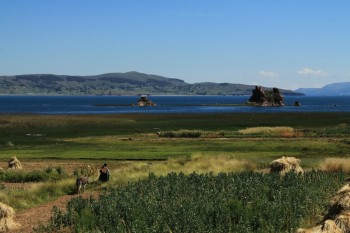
<point>216,164</point>
<point>282,131</point>
<point>336,164</point>
<point>131,171</point>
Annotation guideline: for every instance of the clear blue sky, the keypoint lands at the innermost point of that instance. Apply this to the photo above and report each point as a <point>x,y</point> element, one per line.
<point>287,44</point>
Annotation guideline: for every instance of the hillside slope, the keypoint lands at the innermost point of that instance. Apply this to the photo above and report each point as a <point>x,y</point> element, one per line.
<point>130,83</point>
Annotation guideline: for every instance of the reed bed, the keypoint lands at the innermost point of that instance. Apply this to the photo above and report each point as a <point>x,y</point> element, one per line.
<point>282,131</point>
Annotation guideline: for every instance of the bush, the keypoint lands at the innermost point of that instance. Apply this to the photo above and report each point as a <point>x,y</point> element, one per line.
<point>183,133</point>
<point>21,176</point>
<point>18,176</point>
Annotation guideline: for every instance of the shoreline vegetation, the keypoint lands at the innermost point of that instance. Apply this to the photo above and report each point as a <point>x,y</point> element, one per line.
<point>55,149</point>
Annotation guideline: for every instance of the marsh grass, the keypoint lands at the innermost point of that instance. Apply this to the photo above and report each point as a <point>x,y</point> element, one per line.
<point>101,136</point>
<point>278,131</point>
<point>14,128</point>
<point>185,133</point>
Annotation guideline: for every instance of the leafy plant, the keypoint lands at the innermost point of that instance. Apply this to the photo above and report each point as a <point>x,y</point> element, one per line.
<point>228,202</point>
<point>15,176</point>
<point>21,176</point>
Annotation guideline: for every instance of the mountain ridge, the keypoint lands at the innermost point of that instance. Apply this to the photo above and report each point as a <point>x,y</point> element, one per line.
<point>129,83</point>
<point>333,89</point>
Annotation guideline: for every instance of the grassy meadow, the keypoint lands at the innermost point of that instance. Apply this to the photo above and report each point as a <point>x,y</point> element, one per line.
<point>141,144</point>
<point>309,136</point>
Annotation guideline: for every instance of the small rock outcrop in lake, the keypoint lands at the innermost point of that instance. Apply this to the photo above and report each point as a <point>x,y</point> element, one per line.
<point>297,103</point>
<point>266,98</point>
<point>144,101</point>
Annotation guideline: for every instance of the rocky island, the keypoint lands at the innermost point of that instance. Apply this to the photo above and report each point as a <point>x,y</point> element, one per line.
<point>260,97</point>
<point>144,101</point>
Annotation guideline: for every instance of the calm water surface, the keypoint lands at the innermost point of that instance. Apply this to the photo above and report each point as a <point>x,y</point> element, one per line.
<point>166,104</point>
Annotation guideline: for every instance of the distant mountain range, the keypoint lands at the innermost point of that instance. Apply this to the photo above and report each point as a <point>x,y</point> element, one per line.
<point>335,89</point>
<point>130,83</point>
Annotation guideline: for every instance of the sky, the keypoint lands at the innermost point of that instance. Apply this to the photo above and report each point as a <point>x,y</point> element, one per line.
<point>287,44</point>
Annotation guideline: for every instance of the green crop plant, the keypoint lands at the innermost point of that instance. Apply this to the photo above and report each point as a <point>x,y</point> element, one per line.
<point>227,202</point>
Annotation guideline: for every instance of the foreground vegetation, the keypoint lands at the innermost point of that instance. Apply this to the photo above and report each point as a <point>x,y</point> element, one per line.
<point>213,146</point>
<point>43,186</point>
<point>227,202</point>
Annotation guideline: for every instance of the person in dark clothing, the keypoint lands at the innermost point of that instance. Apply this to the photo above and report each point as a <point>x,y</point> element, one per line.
<point>104,173</point>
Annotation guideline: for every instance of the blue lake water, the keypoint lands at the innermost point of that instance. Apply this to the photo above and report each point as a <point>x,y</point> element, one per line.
<point>166,104</point>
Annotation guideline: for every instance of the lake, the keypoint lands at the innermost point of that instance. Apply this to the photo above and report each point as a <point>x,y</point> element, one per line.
<point>166,104</point>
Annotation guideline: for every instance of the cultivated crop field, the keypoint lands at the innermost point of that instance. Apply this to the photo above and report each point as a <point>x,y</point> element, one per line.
<point>176,172</point>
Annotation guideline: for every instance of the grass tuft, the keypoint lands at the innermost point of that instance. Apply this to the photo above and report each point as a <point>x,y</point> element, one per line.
<point>282,131</point>
<point>336,165</point>
<point>198,163</point>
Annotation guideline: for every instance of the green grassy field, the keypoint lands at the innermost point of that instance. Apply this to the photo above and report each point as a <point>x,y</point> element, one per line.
<point>137,145</point>
<point>134,137</point>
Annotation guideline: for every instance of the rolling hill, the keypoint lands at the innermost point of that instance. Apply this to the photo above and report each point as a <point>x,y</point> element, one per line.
<point>130,83</point>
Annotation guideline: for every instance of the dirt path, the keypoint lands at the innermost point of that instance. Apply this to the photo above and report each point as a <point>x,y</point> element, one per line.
<point>31,218</point>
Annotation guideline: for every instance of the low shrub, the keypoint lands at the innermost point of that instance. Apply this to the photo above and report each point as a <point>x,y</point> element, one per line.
<point>15,176</point>
<point>20,176</point>
<point>183,133</point>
